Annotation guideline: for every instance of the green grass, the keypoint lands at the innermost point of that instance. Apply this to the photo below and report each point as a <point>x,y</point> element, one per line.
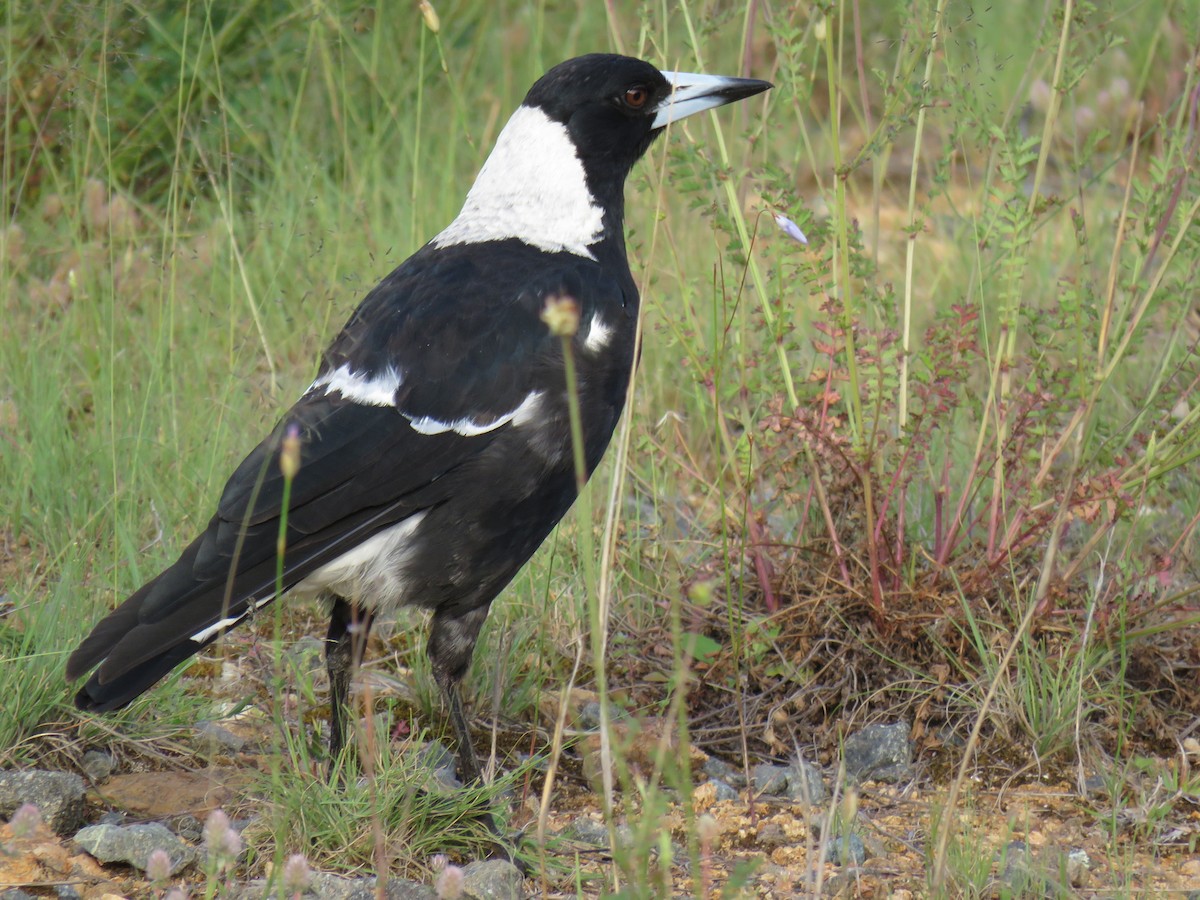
<point>958,429</point>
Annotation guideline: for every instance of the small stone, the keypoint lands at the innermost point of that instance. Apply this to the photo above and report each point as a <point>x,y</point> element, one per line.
<point>587,830</point>
<point>97,765</point>
<point>847,850</point>
<point>769,780</point>
<point>435,758</point>
<point>722,791</point>
<point>589,715</point>
<point>840,884</point>
<point>1018,864</point>
<point>187,827</point>
<point>435,755</point>
<point>879,753</point>
<point>772,835</point>
<point>326,886</point>
<point>537,763</point>
<point>1079,866</point>
<point>805,783</point>
<point>57,795</point>
<point>133,844</point>
<point>16,894</point>
<point>723,771</point>
<point>217,737</point>
<point>67,892</point>
<point>493,879</point>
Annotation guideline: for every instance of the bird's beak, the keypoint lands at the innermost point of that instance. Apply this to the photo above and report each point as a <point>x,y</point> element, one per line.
<point>692,93</point>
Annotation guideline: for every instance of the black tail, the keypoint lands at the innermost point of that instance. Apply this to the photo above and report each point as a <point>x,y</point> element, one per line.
<point>164,622</point>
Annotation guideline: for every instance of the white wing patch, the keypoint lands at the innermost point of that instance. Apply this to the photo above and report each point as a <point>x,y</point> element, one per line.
<point>533,188</point>
<point>228,622</point>
<point>598,335</point>
<point>370,390</point>
<point>472,428</point>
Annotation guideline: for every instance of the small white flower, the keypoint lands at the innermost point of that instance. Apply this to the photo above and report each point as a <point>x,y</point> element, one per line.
<point>790,228</point>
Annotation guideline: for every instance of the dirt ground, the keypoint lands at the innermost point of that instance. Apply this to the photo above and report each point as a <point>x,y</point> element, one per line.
<point>779,837</point>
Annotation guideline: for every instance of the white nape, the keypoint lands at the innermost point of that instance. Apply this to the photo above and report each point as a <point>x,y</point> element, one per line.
<point>533,188</point>
<point>370,575</point>
<point>468,427</point>
<point>370,390</point>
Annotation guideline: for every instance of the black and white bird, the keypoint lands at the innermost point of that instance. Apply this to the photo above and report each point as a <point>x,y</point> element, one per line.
<point>435,443</point>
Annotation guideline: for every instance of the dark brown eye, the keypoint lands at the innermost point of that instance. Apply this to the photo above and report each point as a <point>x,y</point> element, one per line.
<point>636,97</point>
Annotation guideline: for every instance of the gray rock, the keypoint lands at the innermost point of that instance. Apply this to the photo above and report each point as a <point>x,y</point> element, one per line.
<point>587,830</point>
<point>1018,865</point>
<point>805,783</point>
<point>723,771</point>
<point>769,780</point>
<point>325,886</point>
<point>771,835</point>
<point>187,827</point>
<point>723,791</point>
<point>435,758</point>
<point>847,850</point>
<point>589,715</point>
<point>57,795</point>
<point>839,884</point>
<point>67,892</point>
<point>16,894</point>
<point>537,763</point>
<point>395,889</point>
<point>879,753</point>
<point>435,755</point>
<point>97,765</point>
<point>493,879</point>
<point>133,844</point>
<point>307,654</point>
<point>218,737</point>
<point>1078,867</point>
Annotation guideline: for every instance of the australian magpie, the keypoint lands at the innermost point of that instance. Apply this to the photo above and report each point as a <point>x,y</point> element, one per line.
<point>435,450</point>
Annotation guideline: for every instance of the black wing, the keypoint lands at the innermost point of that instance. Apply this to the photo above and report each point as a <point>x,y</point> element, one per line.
<point>455,354</point>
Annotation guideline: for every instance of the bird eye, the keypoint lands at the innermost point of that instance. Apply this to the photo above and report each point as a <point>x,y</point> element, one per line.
<point>636,97</point>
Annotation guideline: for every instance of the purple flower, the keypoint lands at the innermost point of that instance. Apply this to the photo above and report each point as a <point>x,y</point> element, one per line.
<point>25,820</point>
<point>449,883</point>
<point>296,874</point>
<point>790,228</point>
<point>221,839</point>
<point>158,866</point>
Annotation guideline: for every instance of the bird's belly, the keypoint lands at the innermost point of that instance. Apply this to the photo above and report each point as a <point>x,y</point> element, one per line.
<point>371,575</point>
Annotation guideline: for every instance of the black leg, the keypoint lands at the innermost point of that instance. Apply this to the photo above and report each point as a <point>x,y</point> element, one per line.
<point>468,763</point>
<point>451,643</point>
<point>345,645</point>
